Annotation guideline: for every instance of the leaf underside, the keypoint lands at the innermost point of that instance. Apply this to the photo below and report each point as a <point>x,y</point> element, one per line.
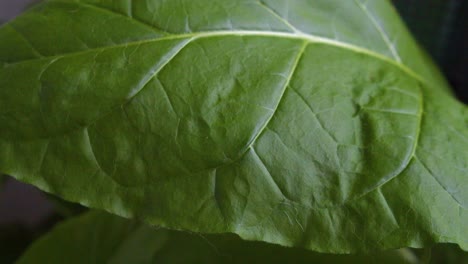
<point>317,124</point>
<point>124,241</point>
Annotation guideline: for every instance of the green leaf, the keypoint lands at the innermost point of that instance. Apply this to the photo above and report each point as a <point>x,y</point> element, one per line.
<point>97,237</point>
<point>316,124</point>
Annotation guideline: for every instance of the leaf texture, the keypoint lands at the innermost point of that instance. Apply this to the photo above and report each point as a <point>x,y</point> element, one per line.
<point>317,124</point>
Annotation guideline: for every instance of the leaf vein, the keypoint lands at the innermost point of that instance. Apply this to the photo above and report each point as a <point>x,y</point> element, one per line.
<point>429,171</point>
<point>273,34</point>
<point>314,114</point>
<point>157,68</point>
<point>28,42</point>
<point>283,92</point>
<point>129,17</point>
<point>264,168</point>
<point>381,30</point>
<point>278,16</point>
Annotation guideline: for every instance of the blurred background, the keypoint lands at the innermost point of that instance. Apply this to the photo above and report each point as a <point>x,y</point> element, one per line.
<point>440,26</point>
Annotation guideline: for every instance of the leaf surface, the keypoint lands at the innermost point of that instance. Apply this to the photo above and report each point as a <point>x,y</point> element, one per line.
<point>317,124</point>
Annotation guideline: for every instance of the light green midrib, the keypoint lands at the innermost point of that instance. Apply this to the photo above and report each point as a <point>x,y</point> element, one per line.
<point>243,33</point>
<point>269,9</point>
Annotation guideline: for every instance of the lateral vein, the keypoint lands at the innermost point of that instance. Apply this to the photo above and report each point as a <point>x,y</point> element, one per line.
<point>379,28</point>
<point>286,84</point>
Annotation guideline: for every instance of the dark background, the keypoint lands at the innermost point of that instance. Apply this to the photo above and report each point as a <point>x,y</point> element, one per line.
<point>440,26</point>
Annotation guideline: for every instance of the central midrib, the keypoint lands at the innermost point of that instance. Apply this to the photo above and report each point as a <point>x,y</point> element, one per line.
<point>246,33</point>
